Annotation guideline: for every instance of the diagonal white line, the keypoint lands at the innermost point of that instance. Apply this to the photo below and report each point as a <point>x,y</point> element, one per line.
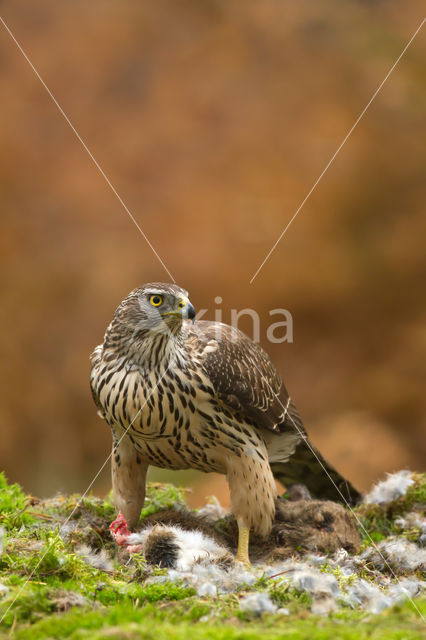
<point>335,154</point>
<point>80,501</point>
<point>86,148</point>
<point>304,437</point>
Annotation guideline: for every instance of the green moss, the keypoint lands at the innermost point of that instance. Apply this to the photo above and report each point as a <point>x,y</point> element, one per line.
<point>13,506</point>
<point>40,558</point>
<point>158,591</point>
<point>32,601</point>
<point>101,508</point>
<point>379,520</point>
<point>343,580</point>
<point>162,496</point>
<point>416,494</point>
<point>43,574</point>
<point>284,595</point>
<point>149,622</point>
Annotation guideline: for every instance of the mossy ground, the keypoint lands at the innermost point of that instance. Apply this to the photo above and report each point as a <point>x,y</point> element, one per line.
<point>381,521</point>
<point>49,591</point>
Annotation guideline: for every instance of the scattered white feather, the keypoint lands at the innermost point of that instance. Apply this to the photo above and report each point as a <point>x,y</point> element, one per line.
<point>395,486</point>
<point>317,559</point>
<point>346,563</point>
<point>322,587</point>
<point>368,596</point>
<point>307,578</point>
<point>207,589</point>
<point>226,581</point>
<point>210,579</point>
<point>212,511</point>
<point>258,603</point>
<point>399,554</point>
<point>97,558</point>
<point>413,521</point>
<point>64,599</point>
<point>323,606</point>
<point>223,580</point>
<point>406,588</point>
<point>68,528</point>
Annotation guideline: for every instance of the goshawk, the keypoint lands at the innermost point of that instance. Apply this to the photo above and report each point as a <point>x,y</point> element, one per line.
<point>179,394</point>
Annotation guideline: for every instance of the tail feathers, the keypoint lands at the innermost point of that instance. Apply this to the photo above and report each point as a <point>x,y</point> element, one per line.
<point>307,466</point>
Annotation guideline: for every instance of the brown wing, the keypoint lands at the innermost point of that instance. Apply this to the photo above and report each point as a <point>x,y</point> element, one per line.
<point>244,377</point>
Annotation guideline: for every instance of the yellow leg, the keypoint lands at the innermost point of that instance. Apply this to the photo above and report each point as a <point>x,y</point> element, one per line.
<point>243,545</point>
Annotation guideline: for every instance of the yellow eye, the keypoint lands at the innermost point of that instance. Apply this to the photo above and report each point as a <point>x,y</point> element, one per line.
<point>156,300</point>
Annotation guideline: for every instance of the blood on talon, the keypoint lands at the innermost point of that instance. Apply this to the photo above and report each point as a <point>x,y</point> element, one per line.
<point>119,528</point>
<point>121,533</point>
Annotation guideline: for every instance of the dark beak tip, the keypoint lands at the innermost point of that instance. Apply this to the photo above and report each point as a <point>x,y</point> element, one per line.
<point>191,313</point>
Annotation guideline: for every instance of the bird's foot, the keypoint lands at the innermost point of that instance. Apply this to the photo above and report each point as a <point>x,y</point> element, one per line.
<point>122,536</point>
<point>244,559</point>
<point>243,546</point>
<point>119,530</point>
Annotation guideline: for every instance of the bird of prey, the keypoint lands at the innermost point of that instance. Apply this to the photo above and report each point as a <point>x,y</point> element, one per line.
<point>179,394</point>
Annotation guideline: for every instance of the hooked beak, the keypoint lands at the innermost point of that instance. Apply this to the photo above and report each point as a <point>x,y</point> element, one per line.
<point>185,310</point>
<point>188,311</point>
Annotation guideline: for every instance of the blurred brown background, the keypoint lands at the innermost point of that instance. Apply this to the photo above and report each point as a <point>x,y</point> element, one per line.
<point>213,119</point>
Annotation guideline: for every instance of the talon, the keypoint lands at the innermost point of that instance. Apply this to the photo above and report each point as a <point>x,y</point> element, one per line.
<point>119,530</point>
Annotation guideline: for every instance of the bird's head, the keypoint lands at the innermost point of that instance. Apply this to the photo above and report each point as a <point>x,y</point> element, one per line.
<point>163,307</point>
<point>149,311</point>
